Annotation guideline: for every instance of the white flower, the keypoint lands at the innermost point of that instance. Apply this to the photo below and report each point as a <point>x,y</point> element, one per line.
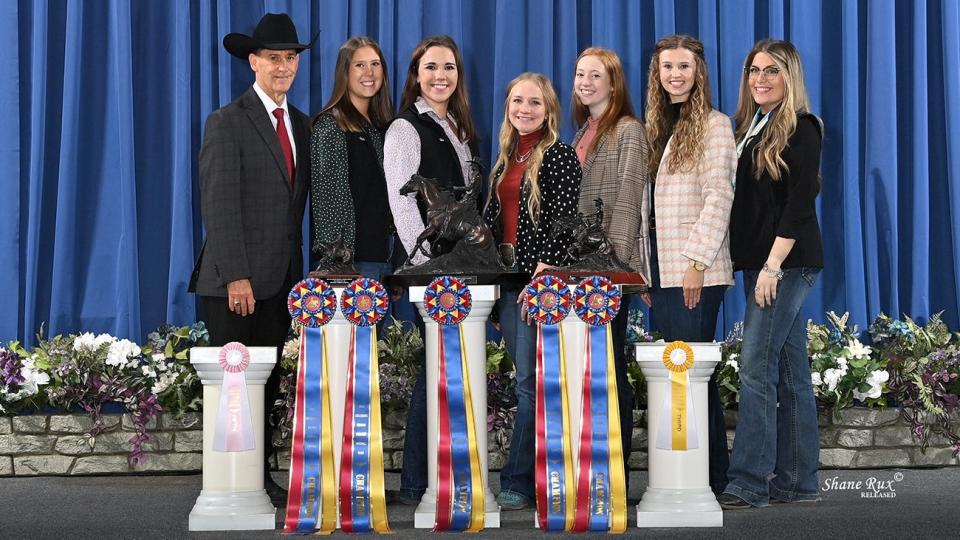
<point>158,358</point>
<point>291,349</point>
<point>733,356</point>
<point>842,364</point>
<point>163,382</point>
<point>816,379</point>
<point>875,380</point>
<point>121,351</point>
<point>84,342</point>
<point>148,372</point>
<point>857,349</point>
<point>33,379</point>
<point>733,363</point>
<point>831,377</point>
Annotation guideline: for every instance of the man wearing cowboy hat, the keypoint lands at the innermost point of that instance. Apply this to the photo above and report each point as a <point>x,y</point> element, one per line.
<point>254,177</point>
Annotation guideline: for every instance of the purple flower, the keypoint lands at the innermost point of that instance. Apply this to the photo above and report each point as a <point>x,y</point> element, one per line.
<point>10,374</point>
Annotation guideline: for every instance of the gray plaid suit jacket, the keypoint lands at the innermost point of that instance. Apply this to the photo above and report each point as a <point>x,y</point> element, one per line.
<point>251,215</point>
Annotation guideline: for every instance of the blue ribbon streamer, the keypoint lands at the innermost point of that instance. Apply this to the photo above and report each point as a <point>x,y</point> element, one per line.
<point>553,404</point>
<point>600,452</point>
<point>361,430</point>
<point>459,439</point>
<point>312,417</point>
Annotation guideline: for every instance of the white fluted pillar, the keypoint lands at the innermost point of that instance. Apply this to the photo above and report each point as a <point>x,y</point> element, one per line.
<point>232,497</point>
<point>475,337</point>
<point>678,492</point>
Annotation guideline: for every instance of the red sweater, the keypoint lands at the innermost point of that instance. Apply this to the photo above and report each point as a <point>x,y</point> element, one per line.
<point>509,187</point>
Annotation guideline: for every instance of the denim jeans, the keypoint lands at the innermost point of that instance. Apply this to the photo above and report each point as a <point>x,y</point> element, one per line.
<point>618,330</point>
<point>518,473</point>
<point>675,322</point>
<point>776,450</point>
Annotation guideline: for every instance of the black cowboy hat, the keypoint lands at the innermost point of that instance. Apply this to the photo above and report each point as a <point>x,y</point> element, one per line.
<point>275,31</point>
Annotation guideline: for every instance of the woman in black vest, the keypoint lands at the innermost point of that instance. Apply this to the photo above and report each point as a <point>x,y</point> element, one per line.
<point>346,150</point>
<point>433,136</point>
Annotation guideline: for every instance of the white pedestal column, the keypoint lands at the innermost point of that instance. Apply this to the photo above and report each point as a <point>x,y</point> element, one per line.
<point>338,354</point>
<point>475,337</point>
<point>232,497</point>
<point>678,493</point>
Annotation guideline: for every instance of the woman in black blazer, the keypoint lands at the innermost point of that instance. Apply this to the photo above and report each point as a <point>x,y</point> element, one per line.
<point>775,241</point>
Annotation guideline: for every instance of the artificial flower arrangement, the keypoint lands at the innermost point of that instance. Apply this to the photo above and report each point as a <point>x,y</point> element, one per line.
<point>915,366</point>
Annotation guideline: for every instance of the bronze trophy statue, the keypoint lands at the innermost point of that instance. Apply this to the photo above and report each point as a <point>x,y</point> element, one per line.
<point>456,239</point>
<point>335,264</point>
<point>591,253</point>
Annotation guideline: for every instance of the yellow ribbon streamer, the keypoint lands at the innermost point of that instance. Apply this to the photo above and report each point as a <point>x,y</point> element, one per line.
<point>328,518</point>
<point>478,512</point>
<point>377,494</point>
<point>618,489</point>
<point>679,381</point>
<point>569,478</point>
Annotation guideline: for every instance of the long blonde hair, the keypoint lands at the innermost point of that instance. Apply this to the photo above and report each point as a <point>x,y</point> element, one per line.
<point>689,132</point>
<point>781,125</point>
<point>620,104</point>
<point>509,139</point>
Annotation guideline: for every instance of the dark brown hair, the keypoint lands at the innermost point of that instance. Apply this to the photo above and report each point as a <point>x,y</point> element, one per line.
<point>459,102</point>
<point>346,115</point>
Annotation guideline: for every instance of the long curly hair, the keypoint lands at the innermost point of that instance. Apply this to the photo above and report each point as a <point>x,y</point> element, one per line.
<point>767,154</point>
<point>620,104</point>
<point>346,115</point>
<point>509,139</point>
<point>689,132</point>
<point>459,102</point>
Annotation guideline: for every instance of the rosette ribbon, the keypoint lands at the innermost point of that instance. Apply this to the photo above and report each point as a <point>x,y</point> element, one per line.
<point>234,429</point>
<point>363,506</point>
<point>460,504</point>
<point>677,412</point>
<point>548,302</point>
<point>601,487</point>
<point>312,488</point>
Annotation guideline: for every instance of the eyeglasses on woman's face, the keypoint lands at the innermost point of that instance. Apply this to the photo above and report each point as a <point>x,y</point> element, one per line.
<point>769,72</point>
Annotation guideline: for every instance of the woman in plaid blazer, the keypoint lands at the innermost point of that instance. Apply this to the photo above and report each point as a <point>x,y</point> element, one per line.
<point>692,162</point>
<point>612,147</point>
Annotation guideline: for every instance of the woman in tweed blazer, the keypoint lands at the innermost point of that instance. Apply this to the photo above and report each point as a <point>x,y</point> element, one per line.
<point>692,161</point>
<point>612,148</point>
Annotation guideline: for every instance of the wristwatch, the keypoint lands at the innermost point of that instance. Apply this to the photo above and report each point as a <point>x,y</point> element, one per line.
<point>698,266</point>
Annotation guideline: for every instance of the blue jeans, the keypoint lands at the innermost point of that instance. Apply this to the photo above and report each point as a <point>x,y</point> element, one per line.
<point>776,450</point>
<point>517,474</point>
<point>675,322</point>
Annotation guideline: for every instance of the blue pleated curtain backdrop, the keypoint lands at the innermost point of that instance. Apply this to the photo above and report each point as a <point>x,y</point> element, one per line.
<point>104,115</point>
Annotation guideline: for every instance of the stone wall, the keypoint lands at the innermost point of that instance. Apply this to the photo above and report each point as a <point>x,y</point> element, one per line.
<point>56,444</point>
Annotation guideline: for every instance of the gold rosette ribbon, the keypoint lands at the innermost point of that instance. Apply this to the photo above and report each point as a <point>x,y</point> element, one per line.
<point>675,432</point>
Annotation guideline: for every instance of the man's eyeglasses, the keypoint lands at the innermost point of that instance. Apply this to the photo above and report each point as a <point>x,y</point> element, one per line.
<point>769,71</point>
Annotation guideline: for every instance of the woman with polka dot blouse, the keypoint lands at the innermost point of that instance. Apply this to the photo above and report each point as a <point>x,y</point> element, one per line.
<point>349,191</point>
<point>612,147</point>
<point>433,136</point>
<point>535,181</point>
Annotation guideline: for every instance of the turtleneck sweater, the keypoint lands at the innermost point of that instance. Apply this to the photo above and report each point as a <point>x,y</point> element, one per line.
<point>586,139</point>
<point>510,185</point>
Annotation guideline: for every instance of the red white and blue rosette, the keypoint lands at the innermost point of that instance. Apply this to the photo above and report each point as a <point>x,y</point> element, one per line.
<point>312,303</point>
<point>447,300</point>
<point>548,299</point>
<point>362,498</point>
<point>601,487</point>
<point>596,300</point>
<point>460,503</point>
<point>364,302</point>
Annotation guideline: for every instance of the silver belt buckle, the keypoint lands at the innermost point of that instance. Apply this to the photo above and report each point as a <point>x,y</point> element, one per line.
<point>508,255</point>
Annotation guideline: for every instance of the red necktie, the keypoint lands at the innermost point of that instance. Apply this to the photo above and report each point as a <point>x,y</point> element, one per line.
<point>285,142</point>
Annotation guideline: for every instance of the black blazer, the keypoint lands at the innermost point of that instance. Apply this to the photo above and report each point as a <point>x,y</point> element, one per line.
<point>251,214</point>
<point>559,181</point>
<point>764,209</point>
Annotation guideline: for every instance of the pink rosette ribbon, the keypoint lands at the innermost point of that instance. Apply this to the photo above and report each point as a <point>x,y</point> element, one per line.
<point>234,428</point>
